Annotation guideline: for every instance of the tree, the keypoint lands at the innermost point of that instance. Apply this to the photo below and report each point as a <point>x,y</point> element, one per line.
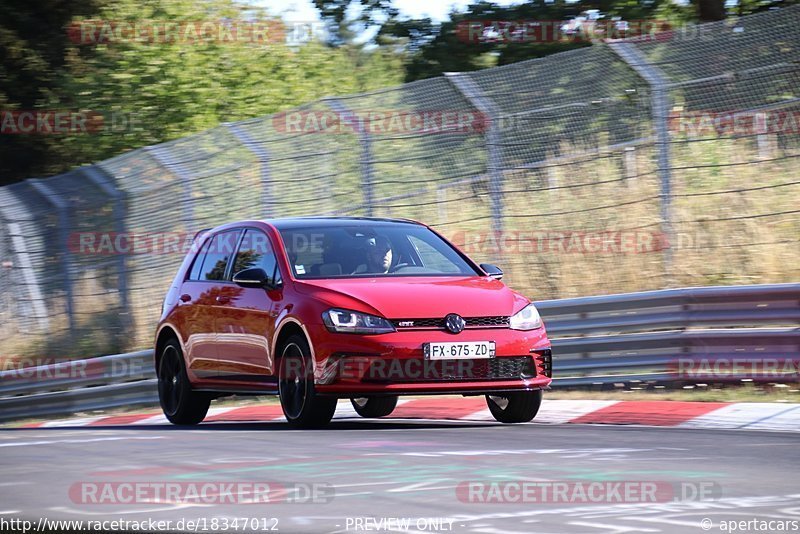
<point>433,49</point>
<point>150,92</point>
<point>33,48</point>
<point>369,13</point>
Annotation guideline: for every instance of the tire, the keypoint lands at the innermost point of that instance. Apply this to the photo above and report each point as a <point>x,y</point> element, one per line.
<point>517,407</point>
<point>180,404</point>
<point>371,407</point>
<point>301,404</point>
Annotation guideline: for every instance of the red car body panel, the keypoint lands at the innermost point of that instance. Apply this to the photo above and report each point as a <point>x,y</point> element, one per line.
<point>229,333</point>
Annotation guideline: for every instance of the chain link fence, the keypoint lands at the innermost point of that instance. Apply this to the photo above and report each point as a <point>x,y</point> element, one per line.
<point>661,161</point>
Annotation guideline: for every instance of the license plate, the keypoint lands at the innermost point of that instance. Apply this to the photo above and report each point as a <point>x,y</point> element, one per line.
<point>459,350</point>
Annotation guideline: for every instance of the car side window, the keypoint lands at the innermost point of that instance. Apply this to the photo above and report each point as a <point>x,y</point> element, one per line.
<point>219,253</point>
<point>197,266</point>
<point>256,251</point>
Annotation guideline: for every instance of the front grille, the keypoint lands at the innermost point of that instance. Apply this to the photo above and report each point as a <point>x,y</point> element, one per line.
<point>480,322</point>
<point>416,370</point>
<point>438,324</point>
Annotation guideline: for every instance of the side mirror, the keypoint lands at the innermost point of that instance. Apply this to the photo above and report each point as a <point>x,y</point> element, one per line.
<point>492,270</point>
<point>255,277</point>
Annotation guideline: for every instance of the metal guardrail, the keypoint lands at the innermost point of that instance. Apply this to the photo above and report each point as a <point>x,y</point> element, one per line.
<point>644,336</point>
<point>634,337</point>
<point>78,386</point>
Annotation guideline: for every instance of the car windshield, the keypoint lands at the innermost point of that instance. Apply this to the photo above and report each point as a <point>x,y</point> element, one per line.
<point>371,250</point>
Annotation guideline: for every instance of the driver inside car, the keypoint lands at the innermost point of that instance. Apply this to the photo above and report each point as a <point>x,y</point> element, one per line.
<point>379,257</point>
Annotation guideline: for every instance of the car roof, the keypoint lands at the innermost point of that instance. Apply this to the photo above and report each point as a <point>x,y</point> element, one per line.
<point>305,222</point>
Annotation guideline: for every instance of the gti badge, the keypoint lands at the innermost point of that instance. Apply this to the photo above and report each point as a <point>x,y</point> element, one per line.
<point>454,323</point>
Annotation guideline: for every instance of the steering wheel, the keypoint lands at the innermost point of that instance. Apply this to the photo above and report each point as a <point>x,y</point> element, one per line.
<point>398,267</point>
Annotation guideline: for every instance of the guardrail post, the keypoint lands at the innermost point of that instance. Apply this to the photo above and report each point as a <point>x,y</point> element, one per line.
<point>106,184</point>
<point>478,99</point>
<point>659,102</point>
<point>365,160</point>
<point>262,155</point>
<point>62,207</point>
<point>164,159</point>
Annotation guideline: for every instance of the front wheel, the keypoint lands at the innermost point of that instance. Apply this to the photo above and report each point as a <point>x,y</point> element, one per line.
<point>516,407</point>
<point>180,404</point>
<point>371,407</point>
<point>301,404</point>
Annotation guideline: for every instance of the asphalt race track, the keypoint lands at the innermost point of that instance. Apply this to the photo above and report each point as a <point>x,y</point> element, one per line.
<point>364,471</point>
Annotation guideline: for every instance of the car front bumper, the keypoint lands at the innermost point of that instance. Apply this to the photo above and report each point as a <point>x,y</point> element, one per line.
<point>395,364</point>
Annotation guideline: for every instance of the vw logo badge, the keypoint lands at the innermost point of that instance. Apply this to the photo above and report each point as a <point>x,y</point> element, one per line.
<point>454,323</point>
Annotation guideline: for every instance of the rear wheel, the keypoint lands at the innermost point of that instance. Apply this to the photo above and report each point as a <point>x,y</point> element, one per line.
<point>301,405</point>
<point>180,404</point>
<point>516,407</point>
<point>374,406</point>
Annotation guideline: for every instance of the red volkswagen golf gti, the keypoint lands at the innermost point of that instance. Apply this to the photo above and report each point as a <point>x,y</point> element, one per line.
<point>317,309</point>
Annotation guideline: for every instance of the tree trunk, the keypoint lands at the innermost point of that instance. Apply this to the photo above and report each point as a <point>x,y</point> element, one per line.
<point>710,10</point>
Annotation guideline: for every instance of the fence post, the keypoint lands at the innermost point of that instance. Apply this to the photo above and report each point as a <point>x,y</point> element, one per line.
<point>764,140</point>
<point>365,160</point>
<point>106,184</point>
<point>62,207</point>
<point>629,164</point>
<point>29,279</point>
<point>262,155</point>
<point>660,104</point>
<point>478,99</point>
<point>157,152</point>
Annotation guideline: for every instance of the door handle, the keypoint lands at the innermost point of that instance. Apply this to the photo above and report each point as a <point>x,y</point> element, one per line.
<point>223,299</point>
<point>186,297</point>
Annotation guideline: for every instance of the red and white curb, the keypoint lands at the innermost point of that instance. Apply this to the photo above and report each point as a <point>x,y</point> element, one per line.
<point>714,415</point>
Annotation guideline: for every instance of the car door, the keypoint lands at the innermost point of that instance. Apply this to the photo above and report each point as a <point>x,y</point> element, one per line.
<point>246,322</point>
<point>202,294</point>
<point>194,315</point>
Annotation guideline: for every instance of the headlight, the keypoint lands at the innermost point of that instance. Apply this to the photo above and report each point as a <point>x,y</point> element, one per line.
<point>355,323</point>
<point>526,319</point>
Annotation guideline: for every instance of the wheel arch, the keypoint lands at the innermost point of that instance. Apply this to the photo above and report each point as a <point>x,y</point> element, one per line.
<point>287,329</point>
<point>164,335</point>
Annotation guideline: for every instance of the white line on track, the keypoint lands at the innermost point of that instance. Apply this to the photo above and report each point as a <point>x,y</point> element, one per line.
<point>128,511</point>
<point>363,484</point>
<point>667,521</point>
<point>616,529</point>
<point>90,440</point>
<point>9,512</point>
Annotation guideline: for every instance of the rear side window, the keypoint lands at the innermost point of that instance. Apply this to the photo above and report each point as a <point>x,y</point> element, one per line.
<point>256,251</point>
<point>219,252</point>
<point>197,267</point>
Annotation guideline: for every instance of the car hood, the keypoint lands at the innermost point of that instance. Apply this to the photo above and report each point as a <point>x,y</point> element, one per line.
<point>418,297</point>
